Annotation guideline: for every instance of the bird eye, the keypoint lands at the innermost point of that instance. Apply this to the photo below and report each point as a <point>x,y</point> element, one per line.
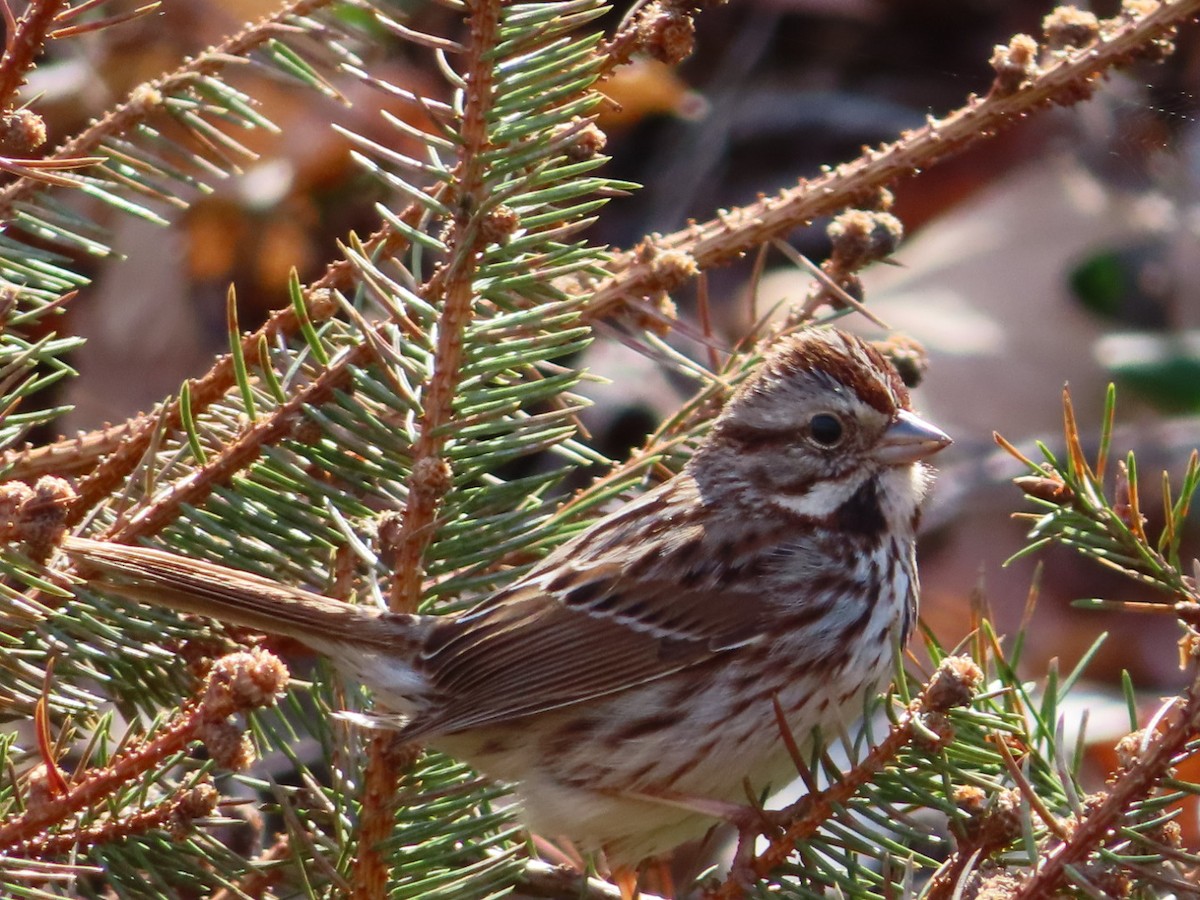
<point>826,429</point>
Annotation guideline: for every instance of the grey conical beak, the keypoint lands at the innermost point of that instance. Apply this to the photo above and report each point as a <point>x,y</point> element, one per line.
<point>908,439</point>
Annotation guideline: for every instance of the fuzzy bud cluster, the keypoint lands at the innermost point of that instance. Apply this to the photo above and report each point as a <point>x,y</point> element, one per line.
<point>586,143</point>
<point>666,32</point>
<point>196,802</point>
<point>954,684</point>
<point>36,516</point>
<point>238,682</point>
<point>990,824</point>
<point>908,355</point>
<point>860,237</point>
<point>1015,64</point>
<point>1068,28</point>
<point>22,131</point>
<point>499,225</point>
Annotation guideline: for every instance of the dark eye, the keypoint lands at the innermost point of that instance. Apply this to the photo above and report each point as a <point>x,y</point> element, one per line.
<point>826,429</point>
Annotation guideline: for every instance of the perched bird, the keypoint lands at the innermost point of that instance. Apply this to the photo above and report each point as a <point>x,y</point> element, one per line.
<point>630,678</point>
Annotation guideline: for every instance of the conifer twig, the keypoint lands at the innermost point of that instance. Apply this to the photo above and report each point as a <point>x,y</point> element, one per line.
<point>1067,79</point>
<point>1163,750</point>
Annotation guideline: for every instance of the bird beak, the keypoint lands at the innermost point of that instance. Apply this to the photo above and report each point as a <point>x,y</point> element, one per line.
<point>908,439</point>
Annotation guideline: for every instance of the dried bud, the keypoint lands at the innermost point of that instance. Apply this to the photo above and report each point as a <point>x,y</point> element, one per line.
<point>1069,27</point>
<point>972,802</point>
<point>41,519</point>
<point>144,99</point>
<point>953,684</point>
<point>499,225</point>
<point>1129,748</point>
<point>970,799</point>
<point>1189,643</point>
<point>586,143</point>
<point>389,531</point>
<point>1139,9</point>
<point>13,496</point>
<point>1015,64</point>
<point>992,886</point>
<point>197,802</point>
<point>937,731</point>
<point>1169,834</point>
<point>668,268</point>
<point>1050,489</point>
<point>666,32</point>
<point>22,131</point>
<point>908,356</point>
<point>860,237</point>
<point>226,743</point>
<point>244,680</point>
<point>1001,824</point>
<point>307,431</point>
<point>431,477</point>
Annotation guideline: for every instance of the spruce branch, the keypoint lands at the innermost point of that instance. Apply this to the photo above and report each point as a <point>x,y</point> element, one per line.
<point>431,477</point>
<point>952,685</point>
<point>176,814</point>
<point>1112,530</point>
<point>1156,756</point>
<point>238,682</point>
<point>153,97</point>
<point>23,45</point>
<point>1067,76</point>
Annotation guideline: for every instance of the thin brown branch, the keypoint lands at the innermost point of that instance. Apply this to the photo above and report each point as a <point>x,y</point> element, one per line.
<point>100,784</point>
<point>156,512</point>
<point>952,684</point>
<point>174,813</point>
<point>388,762</point>
<point>731,234</point>
<point>147,99</point>
<point>70,456</point>
<point>430,478</point>
<point>213,385</point>
<point>101,24</point>
<point>223,695</point>
<point>1136,783</point>
<point>23,47</point>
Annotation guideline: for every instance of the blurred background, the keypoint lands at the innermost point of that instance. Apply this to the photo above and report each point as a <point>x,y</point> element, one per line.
<point>1062,251</point>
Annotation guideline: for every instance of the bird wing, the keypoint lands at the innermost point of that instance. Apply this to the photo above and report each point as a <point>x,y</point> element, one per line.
<point>591,632</point>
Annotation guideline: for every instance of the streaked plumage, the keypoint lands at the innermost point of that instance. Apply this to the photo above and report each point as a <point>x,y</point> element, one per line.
<point>641,659</point>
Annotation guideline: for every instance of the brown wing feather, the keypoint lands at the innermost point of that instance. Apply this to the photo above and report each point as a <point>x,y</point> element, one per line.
<point>529,650</point>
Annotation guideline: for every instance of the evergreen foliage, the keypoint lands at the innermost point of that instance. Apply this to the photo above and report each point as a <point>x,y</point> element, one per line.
<point>373,441</point>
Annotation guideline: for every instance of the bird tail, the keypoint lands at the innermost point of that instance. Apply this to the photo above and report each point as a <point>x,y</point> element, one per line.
<point>177,582</point>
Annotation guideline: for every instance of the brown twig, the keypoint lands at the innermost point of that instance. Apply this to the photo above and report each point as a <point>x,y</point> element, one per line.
<point>174,813</point>
<point>951,685</point>
<point>388,762</point>
<point>23,46</point>
<point>731,234</point>
<point>158,511</point>
<point>150,98</point>
<point>237,682</point>
<point>1152,765</point>
<point>430,476</point>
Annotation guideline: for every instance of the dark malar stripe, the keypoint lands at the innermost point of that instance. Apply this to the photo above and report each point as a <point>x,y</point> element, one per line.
<point>861,514</point>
